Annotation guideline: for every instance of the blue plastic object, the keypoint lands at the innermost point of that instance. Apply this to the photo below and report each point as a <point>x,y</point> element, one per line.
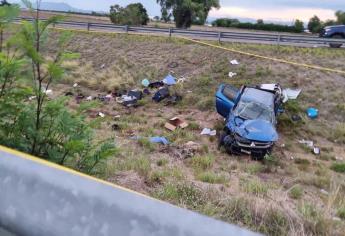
<point>161,140</point>
<point>145,82</point>
<point>169,80</point>
<point>312,113</point>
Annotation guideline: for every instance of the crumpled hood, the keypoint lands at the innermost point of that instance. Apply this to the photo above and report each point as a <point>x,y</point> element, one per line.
<point>258,130</point>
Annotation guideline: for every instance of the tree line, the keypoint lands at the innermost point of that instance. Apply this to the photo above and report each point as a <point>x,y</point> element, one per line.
<point>298,26</point>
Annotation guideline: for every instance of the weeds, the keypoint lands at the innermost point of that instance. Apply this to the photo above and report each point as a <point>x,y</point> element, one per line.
<point>211,177</point>
<point>255,187</point>
<point>338,167</point>
<point>296,192</point>
<point>202,162</point>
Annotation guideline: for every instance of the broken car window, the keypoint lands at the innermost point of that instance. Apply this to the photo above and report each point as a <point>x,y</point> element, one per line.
<point>254,111</point>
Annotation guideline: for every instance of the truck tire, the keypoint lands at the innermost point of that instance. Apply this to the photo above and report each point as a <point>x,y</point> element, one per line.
<point>336,45</point>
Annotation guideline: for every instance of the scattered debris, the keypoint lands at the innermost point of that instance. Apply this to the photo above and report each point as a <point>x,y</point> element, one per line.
<point>79,98</point>
<point>310,144</point>
<point>207,131</point>
<point>175,123</point>
<point>234,62</point>
<point>324,191</point>
<point>232,74</point>
<point>75,85</point>
<point>181,80</point>
<point>32,98</point>
<point>115,127</point>
<point>172,100</point>
<point>161,94</point>
<point>291,94</point>
<point>101,114</point>
<point>136,93</point>
<point>312,113</point>
<point>169,80</point>
<point>69,94</point>
<point>146,91</point>
<point>157,84</point>
<point>161,140</point>
<point>89,98</point>
<point>48,92</point>
<point>173,64</point>
<point>296,118</point>
<point>316,151</point>
<point>127,100</point>
<point>102,66</point>
<point>145,82</point>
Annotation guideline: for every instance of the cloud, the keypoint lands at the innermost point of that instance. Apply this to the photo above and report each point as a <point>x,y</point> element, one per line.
<point>273,14</point>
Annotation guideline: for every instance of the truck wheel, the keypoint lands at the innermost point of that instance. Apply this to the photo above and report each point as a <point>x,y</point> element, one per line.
<point>336,45</point>
<point>228,141</point>
<point>221,137</point>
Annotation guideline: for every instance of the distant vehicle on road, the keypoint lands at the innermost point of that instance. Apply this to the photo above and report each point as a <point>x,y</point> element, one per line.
<point>251,118</point>
<point>334,32</point>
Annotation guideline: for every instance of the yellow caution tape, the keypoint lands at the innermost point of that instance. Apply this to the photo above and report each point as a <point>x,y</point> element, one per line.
<point>265,57</point>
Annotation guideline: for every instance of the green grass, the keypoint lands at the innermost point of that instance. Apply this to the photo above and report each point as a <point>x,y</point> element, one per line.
<point>184,194</point>
<point>254,168</point>
<point>162,162</point>
<point>341,212</point>
<point>211,177</point>
<point>268,221</point>
<point>338,167</point>
<point>202,162</point>
<point>141,165</point>
<point>256,187</point>
<point>296,192</point>
<point>145,143</point>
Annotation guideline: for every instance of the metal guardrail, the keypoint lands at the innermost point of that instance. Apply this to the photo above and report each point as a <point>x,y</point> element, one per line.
<point>249,36</point>
<point>39,198</point>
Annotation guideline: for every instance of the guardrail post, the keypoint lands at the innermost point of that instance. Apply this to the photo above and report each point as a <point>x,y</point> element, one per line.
<point>219,37</point>
<point>170,32</point>
<point>88,26</point>
<point>279,39</point>
<point>126,28</point>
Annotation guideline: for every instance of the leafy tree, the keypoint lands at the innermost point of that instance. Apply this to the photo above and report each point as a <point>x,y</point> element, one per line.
<point>133,14</point>
<point>156,18</point>
<point>187,11</point>
<point>4,3</point>
<point>41,126</point>
<point>299,26</point>
<point>260,21</point>
<point>315,24</point>
<point>7,14</point>
<point>166,16</point>
<point>340,17</point>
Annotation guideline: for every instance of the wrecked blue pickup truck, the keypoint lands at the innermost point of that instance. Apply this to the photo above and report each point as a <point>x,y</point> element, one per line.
<point>250,114</point>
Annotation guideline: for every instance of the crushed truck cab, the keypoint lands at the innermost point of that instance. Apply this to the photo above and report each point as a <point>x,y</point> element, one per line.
<point>250,114</point>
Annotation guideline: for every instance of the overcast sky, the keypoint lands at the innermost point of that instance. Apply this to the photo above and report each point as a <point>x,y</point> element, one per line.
<point>285,10</point>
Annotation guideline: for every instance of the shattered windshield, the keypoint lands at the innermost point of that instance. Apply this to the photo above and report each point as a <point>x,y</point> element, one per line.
<point>254,111</point>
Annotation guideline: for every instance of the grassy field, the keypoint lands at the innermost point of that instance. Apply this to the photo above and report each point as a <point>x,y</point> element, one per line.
<point>292,192</point>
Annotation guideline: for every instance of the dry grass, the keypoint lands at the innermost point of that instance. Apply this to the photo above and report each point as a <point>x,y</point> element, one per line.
<point>281,196</point>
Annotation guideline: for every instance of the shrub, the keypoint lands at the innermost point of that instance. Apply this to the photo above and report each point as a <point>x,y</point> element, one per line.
<point>338,167</point>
